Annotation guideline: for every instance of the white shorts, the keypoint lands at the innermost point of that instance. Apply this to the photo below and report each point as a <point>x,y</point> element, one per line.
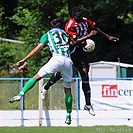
<point>60,64</point>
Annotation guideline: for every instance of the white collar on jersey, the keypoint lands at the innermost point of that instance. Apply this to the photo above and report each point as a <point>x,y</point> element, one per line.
<point>59,29</point>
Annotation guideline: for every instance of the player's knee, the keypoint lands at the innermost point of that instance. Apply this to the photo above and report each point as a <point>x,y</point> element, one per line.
<point>57,75</point>
<point>67,84</point>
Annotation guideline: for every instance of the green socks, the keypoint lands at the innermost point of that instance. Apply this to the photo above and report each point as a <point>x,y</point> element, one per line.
<point>27,86</point>
<point>68,102</point>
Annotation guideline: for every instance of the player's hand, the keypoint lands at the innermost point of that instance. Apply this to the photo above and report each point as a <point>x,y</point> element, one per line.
<point>114,39</point>
<point>93,32</point>
<point>20,63</point>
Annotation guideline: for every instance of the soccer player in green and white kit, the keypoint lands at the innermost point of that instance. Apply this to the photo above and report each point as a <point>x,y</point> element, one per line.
<point>58,42</point>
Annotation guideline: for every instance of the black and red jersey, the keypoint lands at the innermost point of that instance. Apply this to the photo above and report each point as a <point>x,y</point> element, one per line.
<point>78,29</point>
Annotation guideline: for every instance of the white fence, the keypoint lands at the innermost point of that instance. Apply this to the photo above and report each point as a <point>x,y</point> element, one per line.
<point>112,100</point>
<point>57,118</point>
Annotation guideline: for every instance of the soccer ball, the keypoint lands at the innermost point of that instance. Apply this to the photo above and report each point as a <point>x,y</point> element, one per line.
<point>90,46</point>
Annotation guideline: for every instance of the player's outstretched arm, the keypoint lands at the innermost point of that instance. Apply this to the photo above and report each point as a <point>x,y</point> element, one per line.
<point>111,38</point>
<point>32,53</point>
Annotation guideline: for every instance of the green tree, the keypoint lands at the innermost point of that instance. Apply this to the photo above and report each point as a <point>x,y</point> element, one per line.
<point>10,54</point>
<point>28,20</point>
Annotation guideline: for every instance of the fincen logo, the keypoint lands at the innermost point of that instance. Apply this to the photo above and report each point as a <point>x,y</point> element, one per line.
<point>109,91</point>
<point>112,91</point>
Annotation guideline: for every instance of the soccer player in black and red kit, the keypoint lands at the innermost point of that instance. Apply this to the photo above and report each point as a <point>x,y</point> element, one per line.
<point>78,27</point>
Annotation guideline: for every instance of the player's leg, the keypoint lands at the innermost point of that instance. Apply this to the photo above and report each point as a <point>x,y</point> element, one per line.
<point>67,73</point>
<point>83,70</point>
<point>85,84</point>
<point>77,57</point>
<point>68,103</point>
<point>46,69</point>
<point>26,88</point>
<point>55,77</point>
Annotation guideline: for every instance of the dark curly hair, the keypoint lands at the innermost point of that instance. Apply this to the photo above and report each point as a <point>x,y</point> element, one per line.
<point>76,10</point>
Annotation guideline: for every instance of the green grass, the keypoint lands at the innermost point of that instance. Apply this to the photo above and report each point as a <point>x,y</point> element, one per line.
<point>94,129</point>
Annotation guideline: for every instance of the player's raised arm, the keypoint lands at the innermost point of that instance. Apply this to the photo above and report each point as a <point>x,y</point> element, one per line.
<point>111,38</point>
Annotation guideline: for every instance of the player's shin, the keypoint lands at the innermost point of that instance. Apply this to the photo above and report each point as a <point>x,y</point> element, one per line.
<point>68,103</point>
<point>87,92</point>
<point>27,86</point>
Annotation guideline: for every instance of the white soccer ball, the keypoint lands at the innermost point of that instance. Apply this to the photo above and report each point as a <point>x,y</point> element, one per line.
<point>90,46</point>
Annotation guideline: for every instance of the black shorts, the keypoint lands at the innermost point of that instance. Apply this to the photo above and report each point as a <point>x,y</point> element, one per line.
<point>80,58</point>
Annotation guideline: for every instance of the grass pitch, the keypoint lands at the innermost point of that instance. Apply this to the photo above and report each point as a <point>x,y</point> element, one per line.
<point>94,129</point>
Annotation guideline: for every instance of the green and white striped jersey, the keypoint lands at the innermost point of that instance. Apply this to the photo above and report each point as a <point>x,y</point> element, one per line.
<point>57,40</point>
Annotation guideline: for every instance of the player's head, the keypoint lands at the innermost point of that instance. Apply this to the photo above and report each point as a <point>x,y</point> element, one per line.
<point>77,13</point>
<point>56,23</point>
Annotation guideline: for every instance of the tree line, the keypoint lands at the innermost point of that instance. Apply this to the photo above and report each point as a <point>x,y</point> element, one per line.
<point>27,20</point>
